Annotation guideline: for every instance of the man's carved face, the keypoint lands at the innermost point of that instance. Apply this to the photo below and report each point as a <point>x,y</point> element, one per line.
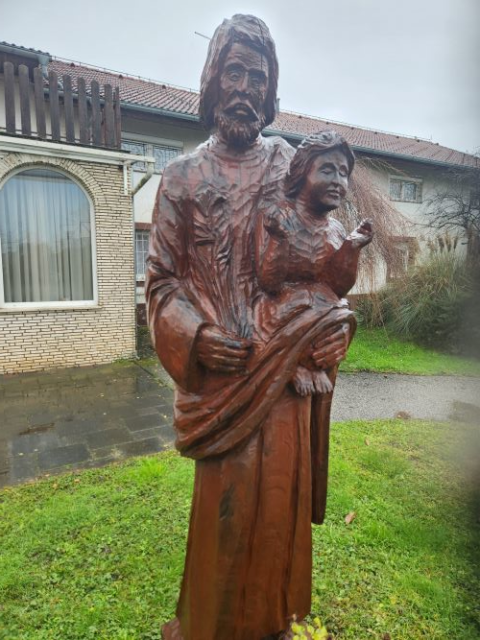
<point>326,183</point>
<point>243,90</point>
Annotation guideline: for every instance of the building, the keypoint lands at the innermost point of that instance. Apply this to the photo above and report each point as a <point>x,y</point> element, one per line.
<point>161,121</point>
<point>67,289</point>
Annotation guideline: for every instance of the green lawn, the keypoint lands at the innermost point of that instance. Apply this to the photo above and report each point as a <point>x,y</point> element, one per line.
<point>376,350</point>
<point>99,554</point>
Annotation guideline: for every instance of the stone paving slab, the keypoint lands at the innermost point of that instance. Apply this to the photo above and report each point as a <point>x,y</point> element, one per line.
<point>51,422</point>
<point>89,417</point>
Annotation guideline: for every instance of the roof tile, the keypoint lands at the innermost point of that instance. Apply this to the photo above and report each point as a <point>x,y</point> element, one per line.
<point>157,95</point>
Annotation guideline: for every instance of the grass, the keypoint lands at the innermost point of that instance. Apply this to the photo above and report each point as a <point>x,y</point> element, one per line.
<point>371,350</point>
<point>99,554</point>
<point>376,350</point>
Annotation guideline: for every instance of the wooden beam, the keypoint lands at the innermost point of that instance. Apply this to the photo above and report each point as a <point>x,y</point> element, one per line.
<point>109,117</point>
<point>118,119</point>
<point>68,105</point>
<point>96,114</point>
<point>8,72</point>
<point>54,105</point>
<point>39,103</point>
<point>24,84</point>
<point>83,112</point>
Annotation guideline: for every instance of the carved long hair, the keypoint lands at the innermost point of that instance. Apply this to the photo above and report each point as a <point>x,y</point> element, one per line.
<point>252,32</point>
<point>309,149</point>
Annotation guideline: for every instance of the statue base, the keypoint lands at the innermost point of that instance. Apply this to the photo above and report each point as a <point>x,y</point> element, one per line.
<point>171,630</point>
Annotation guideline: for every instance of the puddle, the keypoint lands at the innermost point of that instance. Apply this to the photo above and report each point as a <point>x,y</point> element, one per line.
<point>38,428</point>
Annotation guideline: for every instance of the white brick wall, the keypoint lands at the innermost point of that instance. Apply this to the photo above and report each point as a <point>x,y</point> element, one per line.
<point>36,340</point>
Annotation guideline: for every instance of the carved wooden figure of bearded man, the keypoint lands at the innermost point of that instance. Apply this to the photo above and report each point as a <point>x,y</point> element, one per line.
<point>254,439</point>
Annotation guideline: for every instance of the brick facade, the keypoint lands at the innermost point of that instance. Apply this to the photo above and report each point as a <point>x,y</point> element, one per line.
<point>32,340</point>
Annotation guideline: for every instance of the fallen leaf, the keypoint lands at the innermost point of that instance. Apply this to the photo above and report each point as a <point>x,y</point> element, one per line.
<point>77,480</point>
<point>403,415</point>
<point>367,442</point>
<point>350,517</point>
<point>386,636</point>
<point>54,485</point>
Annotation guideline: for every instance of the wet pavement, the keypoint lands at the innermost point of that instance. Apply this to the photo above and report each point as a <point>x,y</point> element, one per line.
<point>80,418</point>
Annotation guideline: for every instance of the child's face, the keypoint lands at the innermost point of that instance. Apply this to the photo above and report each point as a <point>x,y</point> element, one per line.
<point>326,183</point>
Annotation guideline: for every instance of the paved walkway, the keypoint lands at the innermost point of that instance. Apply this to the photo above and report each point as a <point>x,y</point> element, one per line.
<point>77,418</point>
<point>80,418</point>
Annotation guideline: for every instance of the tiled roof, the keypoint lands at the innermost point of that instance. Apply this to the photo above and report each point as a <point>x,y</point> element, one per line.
<point>139,92</point>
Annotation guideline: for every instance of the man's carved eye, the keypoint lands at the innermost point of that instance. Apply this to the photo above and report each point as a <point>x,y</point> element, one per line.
<point>234,76</point>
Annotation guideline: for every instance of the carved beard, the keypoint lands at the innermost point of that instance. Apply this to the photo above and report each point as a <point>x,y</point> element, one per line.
<point>239,133</point>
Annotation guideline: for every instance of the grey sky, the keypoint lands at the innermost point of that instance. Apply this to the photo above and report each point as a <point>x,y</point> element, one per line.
<point>409,66</point>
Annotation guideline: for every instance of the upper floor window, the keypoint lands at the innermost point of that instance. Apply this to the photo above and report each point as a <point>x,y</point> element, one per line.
<point>162,153</point>
<point>405,190</point>
<point>46,241</point>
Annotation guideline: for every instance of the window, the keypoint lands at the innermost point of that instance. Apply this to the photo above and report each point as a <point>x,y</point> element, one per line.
<point>402,258</point>
<point>138,149</point>
<point>141,252</point>
<point>474,199</point>
<point>46,240</point>
<point>162,153</point>
<point>405,190</point>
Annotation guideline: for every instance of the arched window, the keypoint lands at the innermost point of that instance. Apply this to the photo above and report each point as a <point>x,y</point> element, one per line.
<point>46,240</point>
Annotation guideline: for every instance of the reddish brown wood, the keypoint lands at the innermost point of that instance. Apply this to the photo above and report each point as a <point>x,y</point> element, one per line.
<point>68,106</point>
<point>118,119</point>
<point>109,117</point>
<point>96,114</point>
<point>40,103</point>
<point>24,85</point>
<point>8,72</point>
<point>233,334</point>
<point>83,112</point>
<point>54,106</point>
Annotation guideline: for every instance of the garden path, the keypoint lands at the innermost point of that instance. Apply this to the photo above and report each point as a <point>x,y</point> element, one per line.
<point>79,418</point>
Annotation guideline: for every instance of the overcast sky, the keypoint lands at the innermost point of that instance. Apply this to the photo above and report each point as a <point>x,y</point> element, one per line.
<point>405,66</point>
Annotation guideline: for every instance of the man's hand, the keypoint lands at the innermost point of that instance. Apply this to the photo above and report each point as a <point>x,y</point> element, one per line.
<point>220,350</point>
<point>331,348</point>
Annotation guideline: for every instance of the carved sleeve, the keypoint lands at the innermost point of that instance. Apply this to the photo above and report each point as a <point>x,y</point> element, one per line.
<point>271,258</point>
<point>173,316</point>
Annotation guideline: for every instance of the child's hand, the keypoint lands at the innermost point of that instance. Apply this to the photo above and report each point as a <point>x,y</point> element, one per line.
<point>362,235</point>
<point>277,224</point>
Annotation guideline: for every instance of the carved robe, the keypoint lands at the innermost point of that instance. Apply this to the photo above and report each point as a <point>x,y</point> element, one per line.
<point>248,564</point>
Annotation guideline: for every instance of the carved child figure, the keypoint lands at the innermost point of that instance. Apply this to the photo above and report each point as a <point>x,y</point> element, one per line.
<point>302,244</point>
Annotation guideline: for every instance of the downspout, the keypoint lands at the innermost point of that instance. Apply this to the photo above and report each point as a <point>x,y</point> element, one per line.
<point>44,60</point>
<point>127,167</point>
<point>146,177</point>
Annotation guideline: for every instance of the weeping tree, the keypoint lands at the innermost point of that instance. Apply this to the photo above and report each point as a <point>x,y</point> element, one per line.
<point>366,200</point>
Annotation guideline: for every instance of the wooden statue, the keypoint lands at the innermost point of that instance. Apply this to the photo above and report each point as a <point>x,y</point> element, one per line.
<point>252,343</point>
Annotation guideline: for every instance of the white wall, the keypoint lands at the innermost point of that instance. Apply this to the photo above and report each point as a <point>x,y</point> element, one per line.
<point>187,136</point>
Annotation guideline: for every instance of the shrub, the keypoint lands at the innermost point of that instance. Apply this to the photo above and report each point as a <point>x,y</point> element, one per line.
<point>435,304</point>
